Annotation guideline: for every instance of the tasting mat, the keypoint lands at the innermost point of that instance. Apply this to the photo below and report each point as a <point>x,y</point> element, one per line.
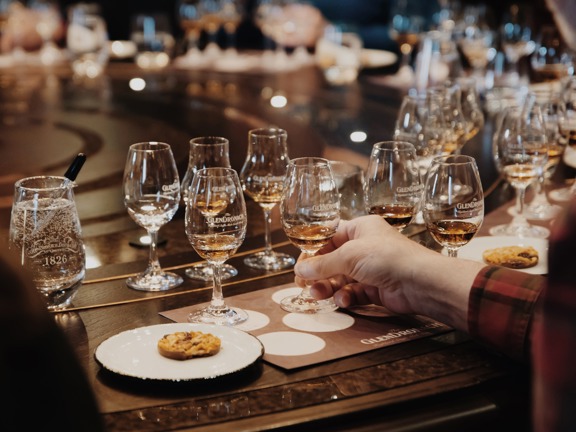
<point>293,340</point>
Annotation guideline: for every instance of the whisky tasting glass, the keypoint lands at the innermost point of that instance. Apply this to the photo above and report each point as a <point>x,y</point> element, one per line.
<point>522,154</point>
<point>216,226</point>
<point>393,187</point>
<point>206,152</point>
<point>349,179</point>
<point>45,232</point>
<point>310,213</point>
<point>152,195</point>
<point>453,201</point>
<point>262,178</point>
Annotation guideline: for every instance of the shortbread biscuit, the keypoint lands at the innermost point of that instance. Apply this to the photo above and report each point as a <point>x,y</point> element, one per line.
<point>516,257</point>
<point>186,345</point>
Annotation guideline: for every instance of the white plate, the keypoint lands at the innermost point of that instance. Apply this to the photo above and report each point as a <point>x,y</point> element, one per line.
<point>474,249</point>
<point>134,353</point>
<point>372,58</point>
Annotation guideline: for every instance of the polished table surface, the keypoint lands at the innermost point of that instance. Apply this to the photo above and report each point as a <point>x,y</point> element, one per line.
<point>444,382</point>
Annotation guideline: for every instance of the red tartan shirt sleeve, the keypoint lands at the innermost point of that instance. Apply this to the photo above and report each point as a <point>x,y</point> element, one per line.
<point>501,309</point>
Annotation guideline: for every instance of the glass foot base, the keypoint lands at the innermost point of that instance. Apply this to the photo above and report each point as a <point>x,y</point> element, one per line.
<point>308,305</point>
<point>159,282</point>
<point>267,261</point>
<point>544,211</point>
<point>520,231</point>
<point>203,272</point>
<point>561,195</point>
<point>219,316</point>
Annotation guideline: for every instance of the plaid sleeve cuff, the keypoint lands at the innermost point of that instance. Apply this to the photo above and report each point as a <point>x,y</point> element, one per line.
<point>501,307</point>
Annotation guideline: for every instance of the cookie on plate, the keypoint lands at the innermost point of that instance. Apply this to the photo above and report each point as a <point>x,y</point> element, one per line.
<point>516,257</point>
<point>186,345</point>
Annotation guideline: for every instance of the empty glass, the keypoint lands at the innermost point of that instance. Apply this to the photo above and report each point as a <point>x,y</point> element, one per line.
<point>152,195</point>
<point>45,231</point>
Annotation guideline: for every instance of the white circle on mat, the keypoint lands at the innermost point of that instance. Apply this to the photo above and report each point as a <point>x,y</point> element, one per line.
<point>291,343</point>
<point>323,322</point>
<point>286,292</point>
<point>256,320</point>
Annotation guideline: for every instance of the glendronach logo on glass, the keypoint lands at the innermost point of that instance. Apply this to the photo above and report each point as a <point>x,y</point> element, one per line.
<point>470,205</point>
<point>268,179</point>
<point>409,190</point>
<point>226,220</point>
<point>172,188</point>
<point>327,207</point>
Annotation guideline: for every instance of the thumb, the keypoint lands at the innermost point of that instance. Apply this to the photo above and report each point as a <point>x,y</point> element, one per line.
<point>322,266</point>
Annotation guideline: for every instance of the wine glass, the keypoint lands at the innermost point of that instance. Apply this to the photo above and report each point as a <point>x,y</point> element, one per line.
<point>516,39</point>
<point>540,208</point>
<point>349,179</point>
<point>216,226</point>
<point>477,45</point>
<point>151,195</point>
<point>231,12</point>
<point>457,127</point>
<point>551,60</point>
<point>188,14</point>
<point>211,21</point>
<point>206,152</point>
<point>471,108</point>
<point>522,154</point>
<point>567,126</point>
<point>48,22</point>
<point>262,178</point>
<point>393,187</point>
<point>405,27</point>
<point>310,213</point>
<point>453,201</point>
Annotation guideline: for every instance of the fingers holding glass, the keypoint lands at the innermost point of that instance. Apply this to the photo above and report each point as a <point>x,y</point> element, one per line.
<point>310,213</point>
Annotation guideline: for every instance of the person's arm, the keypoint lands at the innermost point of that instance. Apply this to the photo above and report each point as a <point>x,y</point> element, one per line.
<point>384,267</point>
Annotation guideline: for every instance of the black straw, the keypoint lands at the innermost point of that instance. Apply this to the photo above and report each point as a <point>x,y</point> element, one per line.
<point>75,166</point>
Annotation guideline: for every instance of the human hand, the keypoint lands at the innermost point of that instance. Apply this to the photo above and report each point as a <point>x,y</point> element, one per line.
<point>368,261</point>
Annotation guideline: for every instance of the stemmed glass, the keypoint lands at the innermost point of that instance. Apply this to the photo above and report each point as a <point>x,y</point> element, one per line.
<point>206,152</point>
<point>231,13</point>
<point>310,213</point>
<point>405,28</point>
<point>188,14</point>
<point>567,126</point>
<point>393,187</point>
<point>211,21</point>
<point>48,22</point>
<point>516,39</point>
<point>262,178</point>
<point>470,105</point>
<point>152,195</point>
<point>522,154</point>
<point>216,226</point>
<point>552,110</point>
<point>453,201</point>
<point>551,60</point>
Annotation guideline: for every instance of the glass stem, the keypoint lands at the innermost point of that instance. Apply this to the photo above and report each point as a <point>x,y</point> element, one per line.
<point>519,218</point>
<point>217,301</point>
<point>267,231</point>
<point>153,262</point>
<point>307,283</point>
<point>452,253</point>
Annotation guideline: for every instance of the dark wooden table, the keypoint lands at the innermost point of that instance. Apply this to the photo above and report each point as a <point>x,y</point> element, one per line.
<point>446,382</point>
